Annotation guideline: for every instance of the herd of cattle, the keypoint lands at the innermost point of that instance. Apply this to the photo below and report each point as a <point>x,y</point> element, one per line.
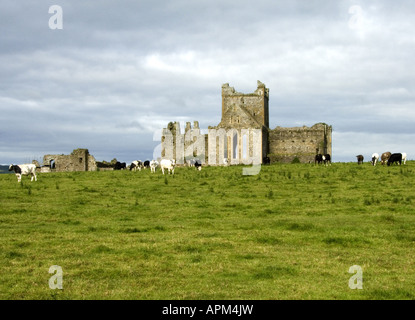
<point>386,158</point>
<point>169,165</point>
<point>164,164</point>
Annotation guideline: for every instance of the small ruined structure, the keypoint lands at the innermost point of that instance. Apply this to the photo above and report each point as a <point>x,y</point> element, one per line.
<point>78,160</point>
<point>243,135</point>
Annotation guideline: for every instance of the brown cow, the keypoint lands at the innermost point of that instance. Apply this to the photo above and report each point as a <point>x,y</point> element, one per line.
<point>385,157</point>
<point>359,159</point>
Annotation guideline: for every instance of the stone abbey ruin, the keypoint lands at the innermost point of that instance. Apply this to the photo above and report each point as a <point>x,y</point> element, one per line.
<point>243,135</point>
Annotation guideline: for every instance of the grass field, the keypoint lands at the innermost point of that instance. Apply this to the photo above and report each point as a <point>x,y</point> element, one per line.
<point>290,232</point>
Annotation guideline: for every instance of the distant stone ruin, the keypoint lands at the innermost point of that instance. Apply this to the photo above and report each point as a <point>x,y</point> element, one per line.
<point>78,160</point>
<point>243,136</point>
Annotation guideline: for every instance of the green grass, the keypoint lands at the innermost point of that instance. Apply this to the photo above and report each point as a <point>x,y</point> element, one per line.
<point>290,232</point>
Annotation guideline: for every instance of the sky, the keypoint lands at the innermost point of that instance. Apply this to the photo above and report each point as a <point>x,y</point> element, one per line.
<point>109,75</point>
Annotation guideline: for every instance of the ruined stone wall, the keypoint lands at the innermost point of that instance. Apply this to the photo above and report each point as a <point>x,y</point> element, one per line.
<point>238,146</point>
<point>192,144</point>
<point>286,144</point>
<point>78,160</point>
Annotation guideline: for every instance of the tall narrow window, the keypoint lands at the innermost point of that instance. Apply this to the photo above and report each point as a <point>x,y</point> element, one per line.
<point>225,146</point>
<point>235,146</point>
<point>244,147</point>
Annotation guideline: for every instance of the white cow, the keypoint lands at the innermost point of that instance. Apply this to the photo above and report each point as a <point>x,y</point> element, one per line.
<point>225,161</point>
<point>404,157</point>
<point>153,165</point>
<point>167,164</point>
<point>24,170</point>
<point>375,158</point>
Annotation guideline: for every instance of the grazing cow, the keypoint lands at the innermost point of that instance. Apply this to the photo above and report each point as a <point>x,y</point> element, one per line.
<point>146,164</point>
<point>404,157</point>
<point>395,157</point>
<point>136,164</point>
<point>267,161</point>
<point>153,165</point>
<point>375,158</point>
<point>167,164</point>
<point>326,159</point>
<point>120,165</point>
<point>318,159</point>
<point>359,159</point>
<point>24,170</point>
<point>384,157</point>
<point>198,164</point>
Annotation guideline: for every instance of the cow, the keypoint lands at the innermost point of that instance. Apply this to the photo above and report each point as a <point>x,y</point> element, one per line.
<point>136,164</point>
<point>225,161</point>
<point>146,164</point>
<point>167,164</point>
<point>120,165</point>
<point>359,159</point>
<point>153,165</point>
<point>404,157</point>
<point>384,157</point>
<point>318,159</point>
<point>326,159</point>
<point>24,170</point>
<point>198,164</point>
<point>375,158</point>
<point>395,157</point>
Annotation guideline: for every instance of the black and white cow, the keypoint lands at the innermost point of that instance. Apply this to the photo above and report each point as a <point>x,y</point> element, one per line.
<point>24,170</point>
<point>153,165</point>
<point>395,157</point>
<point>198,164</point>
<point>375,158</point>
<point>360,159</point>
<point>146,164</point>
<point>167,164</point>
<point>120,165</point>
<point>136,164</point>
<point>318,159</point>
<point>326,159</point>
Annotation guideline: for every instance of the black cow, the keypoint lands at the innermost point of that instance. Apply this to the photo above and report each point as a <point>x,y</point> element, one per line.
<point>146,164</point>
<point>267,160</point>
<point>359,159</point>
<point>318,159</point>
<point>395,157</point>
<point>120,165</point>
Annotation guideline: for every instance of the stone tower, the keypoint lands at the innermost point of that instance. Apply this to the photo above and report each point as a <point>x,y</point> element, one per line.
<point>253,104</point>
<point>242,135</point>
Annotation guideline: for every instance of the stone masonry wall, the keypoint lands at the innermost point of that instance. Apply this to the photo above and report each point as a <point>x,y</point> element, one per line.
<point>303,143</point>
<point>78,160</point>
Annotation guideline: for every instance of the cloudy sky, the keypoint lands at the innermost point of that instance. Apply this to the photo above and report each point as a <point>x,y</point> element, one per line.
<point>118,71</point>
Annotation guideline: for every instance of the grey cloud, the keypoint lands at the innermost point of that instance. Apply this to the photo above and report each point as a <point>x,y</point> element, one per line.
<point>120,70</point>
